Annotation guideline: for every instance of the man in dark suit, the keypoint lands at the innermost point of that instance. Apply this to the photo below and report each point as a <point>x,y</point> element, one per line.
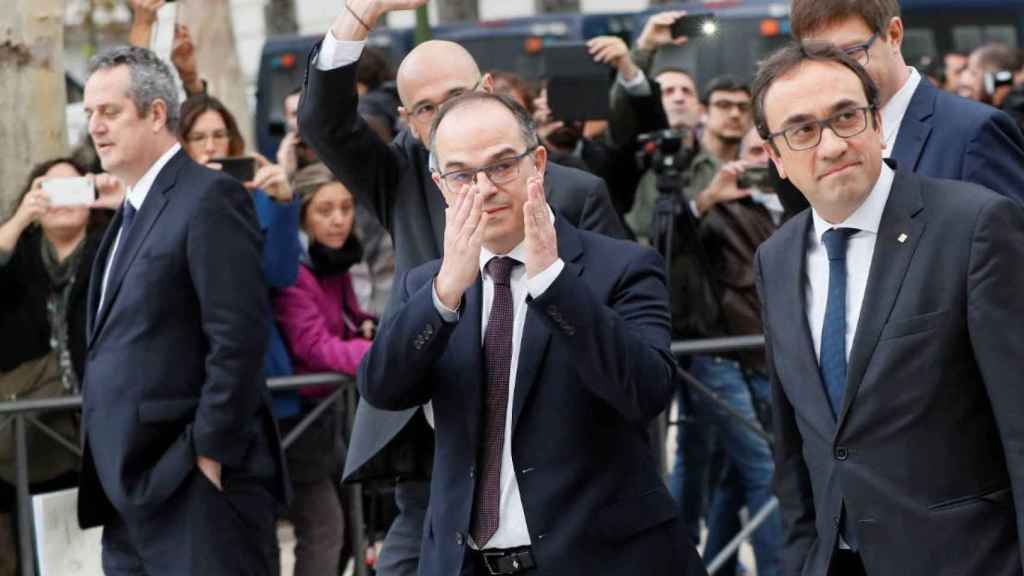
<point>393,181</point>
<point>892,313</point>
<point>926,130</point>
<point>181,460</point>
<point>543,462</point>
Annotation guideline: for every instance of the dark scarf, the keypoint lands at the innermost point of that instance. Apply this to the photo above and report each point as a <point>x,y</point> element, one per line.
<point>62,282</point>
<point>331,262</point>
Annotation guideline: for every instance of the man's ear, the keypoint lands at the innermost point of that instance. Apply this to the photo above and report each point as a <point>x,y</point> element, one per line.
<point>158,113</point>
<point>895,32</point>
<point>773,153</point>
<point>436,177</point>
<point>487,83</point>
<point>540,160</point>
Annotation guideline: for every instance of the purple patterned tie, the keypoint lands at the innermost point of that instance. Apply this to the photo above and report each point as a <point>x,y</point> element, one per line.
<point>498,356</point>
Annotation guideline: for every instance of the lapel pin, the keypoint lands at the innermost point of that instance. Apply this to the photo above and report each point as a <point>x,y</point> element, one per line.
<point>902,238</point>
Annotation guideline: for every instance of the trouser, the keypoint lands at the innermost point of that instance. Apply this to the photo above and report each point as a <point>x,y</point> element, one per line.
<point>400,554</point>
<point>316,514</point>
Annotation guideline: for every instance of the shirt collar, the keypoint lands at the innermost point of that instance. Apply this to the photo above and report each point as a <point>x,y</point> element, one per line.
<point>868,216</point>
<point>517,253</point>
<point>137,194</point>
<point>894,111</point>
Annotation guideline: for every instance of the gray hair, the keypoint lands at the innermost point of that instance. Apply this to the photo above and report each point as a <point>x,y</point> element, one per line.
<point>523,119</point>
<point>151,79</point>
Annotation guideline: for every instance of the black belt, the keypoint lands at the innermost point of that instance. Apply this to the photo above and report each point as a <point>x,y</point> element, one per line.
<point>507,561</point>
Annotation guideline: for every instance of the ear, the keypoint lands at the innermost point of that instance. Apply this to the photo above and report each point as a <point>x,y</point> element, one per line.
<point>540,160</point>
<point>487,83</point>
<point>436,177</point>
<point>895,31</point>
<point>773,153</point>
<point>158,112</point>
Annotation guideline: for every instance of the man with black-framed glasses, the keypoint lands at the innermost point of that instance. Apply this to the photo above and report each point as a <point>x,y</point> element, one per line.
<point>891,311</point>
<point>925,129</point>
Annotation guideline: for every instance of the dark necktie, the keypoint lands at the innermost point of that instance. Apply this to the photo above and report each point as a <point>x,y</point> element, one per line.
<point>127,216</point>
<point>833,332</point>
<point>498,362</point>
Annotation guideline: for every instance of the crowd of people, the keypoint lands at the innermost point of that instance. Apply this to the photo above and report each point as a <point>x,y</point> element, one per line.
<point>505,285</point>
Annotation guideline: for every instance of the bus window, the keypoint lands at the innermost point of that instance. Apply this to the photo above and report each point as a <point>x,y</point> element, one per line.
<point>967,38</point>
<point>919,43</point>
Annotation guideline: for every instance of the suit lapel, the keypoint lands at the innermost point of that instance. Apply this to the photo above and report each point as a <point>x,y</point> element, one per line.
<point>99,265</point>
<point>536,335</point>
<point>469,354</point>
<point>888,268</point>
<point>914,129</point>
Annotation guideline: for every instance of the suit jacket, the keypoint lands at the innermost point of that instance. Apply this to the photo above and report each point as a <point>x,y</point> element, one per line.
<point>594,369</point>
<point>946,136</point>
<point>174,359</point>
<point>393,181</point>
<point>928,450</point>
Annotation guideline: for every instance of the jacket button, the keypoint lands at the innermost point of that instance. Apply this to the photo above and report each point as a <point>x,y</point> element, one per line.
<point>459,540</point>
<point>841,453</point>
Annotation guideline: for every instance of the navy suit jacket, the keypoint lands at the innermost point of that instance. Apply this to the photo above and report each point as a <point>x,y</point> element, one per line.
<point>945,136</point>
<point>927,454</point>
<point>594,369</point>
<point>174,366</point>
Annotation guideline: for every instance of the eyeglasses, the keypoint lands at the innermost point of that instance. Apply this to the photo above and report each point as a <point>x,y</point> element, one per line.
<point>196,137</point>
<point>500,172</point>
<point>727,105</point>
<point>860,52</point>
<point>424,112</point>
<point>844,124</point>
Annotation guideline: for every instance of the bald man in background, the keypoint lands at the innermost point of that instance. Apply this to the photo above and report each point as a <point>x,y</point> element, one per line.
<point>393,181</point>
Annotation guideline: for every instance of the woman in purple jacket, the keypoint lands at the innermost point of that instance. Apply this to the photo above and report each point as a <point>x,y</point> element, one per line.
<point>325,331</point>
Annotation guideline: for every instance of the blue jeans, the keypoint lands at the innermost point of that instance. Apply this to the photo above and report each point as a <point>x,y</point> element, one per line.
<point>749,467</point>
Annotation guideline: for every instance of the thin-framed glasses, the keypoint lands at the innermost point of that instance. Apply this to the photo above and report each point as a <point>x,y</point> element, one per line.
<point>425,111</point>
<point>498,172</point>
<point>844,124</point>
<point>861,52</point>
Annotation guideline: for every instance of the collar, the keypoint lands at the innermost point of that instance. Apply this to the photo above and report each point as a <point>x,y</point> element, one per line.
<point>517,253</point>
<point>868,216</point>
<point>894,111</point>
<point>137,194</point>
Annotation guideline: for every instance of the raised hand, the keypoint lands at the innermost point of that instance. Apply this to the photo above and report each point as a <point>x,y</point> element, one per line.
<point>657,31</point>
<point>464,229</point>
<point>109,192</point>
<point>287,155</point>
<point>145,10</point>
<point>541,240</point>
<point>34,204</point>
<point>183,56</point>
<point>272,179</point>
<point>357,17</point>
<point>613,51</point>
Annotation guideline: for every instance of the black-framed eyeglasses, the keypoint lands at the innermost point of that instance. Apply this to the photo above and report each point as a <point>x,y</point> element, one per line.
<point>425,111</point>
<point>846,123</point>
<point>498,172</point>
<point>861,52</point>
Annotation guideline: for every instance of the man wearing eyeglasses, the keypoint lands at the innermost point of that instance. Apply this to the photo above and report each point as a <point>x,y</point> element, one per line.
<point>544,350</point>
<point>393,181</point>
<point>892,316</point>
<point>925,129</point>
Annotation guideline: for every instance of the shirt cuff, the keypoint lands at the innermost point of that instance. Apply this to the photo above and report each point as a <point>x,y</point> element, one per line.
<point>447,314</point>
<point>637,87</point>
<point>336,53</point>
<point>539,284</point>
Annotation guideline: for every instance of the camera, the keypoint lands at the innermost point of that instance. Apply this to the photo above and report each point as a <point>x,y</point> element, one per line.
<point>667,152</point>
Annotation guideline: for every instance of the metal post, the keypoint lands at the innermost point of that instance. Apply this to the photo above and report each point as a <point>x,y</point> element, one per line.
<point>733,546</point>
<point>25,552</point>
<point>357,524</point>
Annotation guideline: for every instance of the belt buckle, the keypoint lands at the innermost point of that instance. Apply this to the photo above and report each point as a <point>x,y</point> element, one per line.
<point>492,570</point>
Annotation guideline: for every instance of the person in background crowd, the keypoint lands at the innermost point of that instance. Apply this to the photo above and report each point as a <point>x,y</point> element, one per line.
<point>892,314</point>
<point>727,119</point>
<point>515,88</point>
<point>46,255</point>
<point>326,331</point>
<point>990,73</point>
<point>183,55</point>
<point>954,64</point>
<point>393,181</point>
<point>927,130</point>
<point>292,153</point>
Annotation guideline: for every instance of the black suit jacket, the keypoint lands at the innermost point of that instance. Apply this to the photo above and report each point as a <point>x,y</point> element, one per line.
<point>928,451</point>
<point>393,180</point>
<point>594,369</point>
<point>174,365</point>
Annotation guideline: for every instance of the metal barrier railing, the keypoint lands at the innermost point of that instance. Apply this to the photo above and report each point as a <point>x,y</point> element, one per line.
<point>23,413</point>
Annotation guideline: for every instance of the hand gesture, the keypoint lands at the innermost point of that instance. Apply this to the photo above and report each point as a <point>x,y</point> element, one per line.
<point>724,187</point>
<point>543,119</point>
<point>109,191</point>
<point>657,31</point>
<point>367,12</point>
<point>183,56</point>
<point>34,204</point>
<point>272,179</point>
<point>465,225</point>
<point>612,50</point>
<point>541,241</point>
<point>145,10</point>
<point>287,156</point>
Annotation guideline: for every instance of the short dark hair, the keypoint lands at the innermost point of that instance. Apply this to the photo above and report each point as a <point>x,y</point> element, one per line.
<point>151,79</point>
<point>195,106</point>
<point>722,84</point>
<point>791,57</point>
<point>511,83</point>
<point>997,57</point>
<point>374,68</point>
<point>523,119</point>
<point>809,16</point>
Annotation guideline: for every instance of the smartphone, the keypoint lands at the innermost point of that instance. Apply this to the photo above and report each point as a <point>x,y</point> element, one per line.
<point>162,39</point>
<point>695,25</point>
<point>69,191</point>
<point>577,86</point>
<point>754,177</point>
<point>242,169</point>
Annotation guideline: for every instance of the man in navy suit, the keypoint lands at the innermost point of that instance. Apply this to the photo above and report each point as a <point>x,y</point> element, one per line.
<point>545,353</point>
<point>892,316</point>
<point>181,460</point>
<point>925,130</point>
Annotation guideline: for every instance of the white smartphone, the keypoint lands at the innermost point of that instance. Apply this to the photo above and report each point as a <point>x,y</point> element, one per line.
<point>162,40</point>
<point>69,191</point>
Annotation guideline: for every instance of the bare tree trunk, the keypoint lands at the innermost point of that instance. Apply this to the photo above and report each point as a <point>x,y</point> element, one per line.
<point>549,6</point>
<point>281,18</point>
<point>214,37</point>
<point>458,10</point>
<point>32,91</point>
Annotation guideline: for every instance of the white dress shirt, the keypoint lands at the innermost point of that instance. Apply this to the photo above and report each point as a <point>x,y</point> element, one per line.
<point>859,252</point>
<point>896,109</point>
<point>512,529</point>
<point>136,195</point>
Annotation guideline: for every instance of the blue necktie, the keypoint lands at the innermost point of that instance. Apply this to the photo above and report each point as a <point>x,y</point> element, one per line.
<point>127,215</point>
<point>833,332</point>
